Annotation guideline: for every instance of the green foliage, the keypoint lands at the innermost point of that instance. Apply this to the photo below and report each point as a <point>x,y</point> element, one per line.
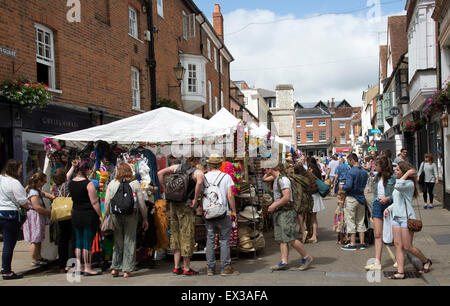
<point>25,93</point>
<point>167,103</point>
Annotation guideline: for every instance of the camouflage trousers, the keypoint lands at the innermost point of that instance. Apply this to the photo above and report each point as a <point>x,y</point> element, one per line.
<point>182,228</point>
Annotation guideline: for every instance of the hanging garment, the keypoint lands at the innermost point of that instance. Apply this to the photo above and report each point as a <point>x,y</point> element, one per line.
<point>151,161</point>
<point>162,225</point>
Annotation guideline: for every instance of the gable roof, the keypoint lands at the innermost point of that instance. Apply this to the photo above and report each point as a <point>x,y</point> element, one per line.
<point>398,35</point>
<point>342,104</point>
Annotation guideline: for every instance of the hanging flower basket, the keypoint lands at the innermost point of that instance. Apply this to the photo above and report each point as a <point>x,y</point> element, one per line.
<point>414,125</point>
<point>25,93</point>
<point>438,100</point>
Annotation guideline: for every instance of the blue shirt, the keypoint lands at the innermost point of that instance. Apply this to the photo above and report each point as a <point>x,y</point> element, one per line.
<point>356,180</point>
<point>341,171</point>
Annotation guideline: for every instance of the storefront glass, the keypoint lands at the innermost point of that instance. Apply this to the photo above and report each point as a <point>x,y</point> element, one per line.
<point>33,153</point>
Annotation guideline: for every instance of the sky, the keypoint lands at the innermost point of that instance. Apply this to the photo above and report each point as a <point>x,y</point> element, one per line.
<point>324,48</point>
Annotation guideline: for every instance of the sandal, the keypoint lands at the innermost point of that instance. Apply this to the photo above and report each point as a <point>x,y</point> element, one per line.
<point>127,274</point>
<point>394,276</point>
<point>12,276</point>
<point>427,269</point>
<point>115,273</point>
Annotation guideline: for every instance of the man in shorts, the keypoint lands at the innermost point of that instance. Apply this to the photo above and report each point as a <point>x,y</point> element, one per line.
<point>285,219</point>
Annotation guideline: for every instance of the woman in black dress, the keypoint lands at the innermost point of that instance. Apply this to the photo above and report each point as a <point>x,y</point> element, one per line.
<point>86,217</point>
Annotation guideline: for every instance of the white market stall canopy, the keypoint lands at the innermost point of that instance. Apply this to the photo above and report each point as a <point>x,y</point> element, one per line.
<point>156,126</point>
<point>225,119</point>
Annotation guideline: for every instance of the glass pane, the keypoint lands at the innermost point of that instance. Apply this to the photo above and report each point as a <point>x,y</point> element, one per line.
<point>47,38</point>
<point>40,50</point>
<point>39,32</point>
<point>48,53</point>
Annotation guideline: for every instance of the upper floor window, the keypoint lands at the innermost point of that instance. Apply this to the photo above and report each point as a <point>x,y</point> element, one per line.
<point>343,139</point>
<point>215,59</point>
<point>160,7</point>
<point>322,136</point>
<point>135,88</point>
<point>298,123</point>
<point>220,62</point>
<point>210,96</point>
<point>188,25</point>
<point>309,136</point>
<point>208,43</point>
<point>45,56</point>
<point>309,123</point>
<point>322,123</point>
<point>221,98</point>
<point>342,125</point>
<point>192,78</point>
<point>272,103</point>
<point>133,27</point>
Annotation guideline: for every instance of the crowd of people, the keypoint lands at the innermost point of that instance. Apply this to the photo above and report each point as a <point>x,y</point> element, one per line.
<point>394,185</point>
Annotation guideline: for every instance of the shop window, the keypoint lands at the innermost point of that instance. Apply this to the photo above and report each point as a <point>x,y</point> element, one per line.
<point>45,56</point>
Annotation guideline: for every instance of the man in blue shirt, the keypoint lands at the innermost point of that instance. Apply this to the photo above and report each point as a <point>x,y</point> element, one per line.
<point>341,172</point>
<point>355,203</point>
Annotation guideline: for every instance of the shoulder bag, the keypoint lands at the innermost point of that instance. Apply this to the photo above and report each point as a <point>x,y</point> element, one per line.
<point>414,225</point>
<point>62,206</point>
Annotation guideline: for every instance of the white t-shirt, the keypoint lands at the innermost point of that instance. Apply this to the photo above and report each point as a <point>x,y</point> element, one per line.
<point>225,183</point>
<point>381,192</point>
<point>284,184</point>
<point>333,165</point>
<point>11,192</point>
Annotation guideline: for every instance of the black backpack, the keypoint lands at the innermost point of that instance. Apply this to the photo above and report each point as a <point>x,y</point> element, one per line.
<point>178,184</point>
<point>123,201</point>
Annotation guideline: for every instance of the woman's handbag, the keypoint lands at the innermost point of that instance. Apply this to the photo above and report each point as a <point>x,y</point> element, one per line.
<point>324,189</point>
<point>414,225</point>
<point>107,225</point>
<point>62,207</point>
<point>387,229</point>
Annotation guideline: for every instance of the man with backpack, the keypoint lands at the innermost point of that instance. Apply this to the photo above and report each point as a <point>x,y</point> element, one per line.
<point>182,191</point>
<point>285,218</point>
<point>217,197</point>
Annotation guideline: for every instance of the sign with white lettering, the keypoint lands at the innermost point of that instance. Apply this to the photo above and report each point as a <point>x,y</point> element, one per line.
<point>7,52</point>
<point>394,111</point>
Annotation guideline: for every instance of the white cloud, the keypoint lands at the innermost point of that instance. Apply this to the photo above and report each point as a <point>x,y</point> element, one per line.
<point>331,56</point>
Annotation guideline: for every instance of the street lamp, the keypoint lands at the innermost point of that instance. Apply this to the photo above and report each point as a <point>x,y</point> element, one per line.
<point>179,72</point>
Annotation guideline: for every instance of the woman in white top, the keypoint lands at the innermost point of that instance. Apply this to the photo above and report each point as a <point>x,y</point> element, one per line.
<point>429,168</point>
<point>34,227</point>
<point>12,196</point>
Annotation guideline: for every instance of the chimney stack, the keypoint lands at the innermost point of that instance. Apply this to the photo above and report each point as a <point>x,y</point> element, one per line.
<point>333,110</point>
<point>218,21</point>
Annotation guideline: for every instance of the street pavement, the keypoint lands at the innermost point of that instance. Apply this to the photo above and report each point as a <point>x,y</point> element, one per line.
<point>331,266</point>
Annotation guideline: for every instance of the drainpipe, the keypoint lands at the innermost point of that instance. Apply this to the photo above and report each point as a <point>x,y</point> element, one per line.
<point>220,77</point>
<point>201,52</point>
<point>151,61</point>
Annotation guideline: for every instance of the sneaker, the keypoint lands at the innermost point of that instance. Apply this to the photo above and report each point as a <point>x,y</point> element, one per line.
<point>305,263</point>
<point>178,271</point>
<point>280,266</point>
<point>211,271</point>
<point>228,270</point>
<point>190,272</point>
<point>373,267</point>
<point>363,246</point>
<point>349,247</point>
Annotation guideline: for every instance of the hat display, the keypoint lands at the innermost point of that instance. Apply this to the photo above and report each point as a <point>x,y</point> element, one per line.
<point>266,200</point>
<point>250,213</point>
<point>214,159</point>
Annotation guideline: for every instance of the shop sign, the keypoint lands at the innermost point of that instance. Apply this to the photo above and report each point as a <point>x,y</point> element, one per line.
<point>394,111</point>
<point>7,52</point>
<point>59,123</point>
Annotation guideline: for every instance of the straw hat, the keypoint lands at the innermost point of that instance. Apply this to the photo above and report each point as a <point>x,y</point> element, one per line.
<point>214,159</point>
<point>250,213</point>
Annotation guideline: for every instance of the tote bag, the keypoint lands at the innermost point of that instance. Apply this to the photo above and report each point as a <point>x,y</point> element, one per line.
<point>62,207</point>
<point>387,229</point>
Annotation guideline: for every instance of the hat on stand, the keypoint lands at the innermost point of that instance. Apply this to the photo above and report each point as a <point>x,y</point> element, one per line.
<point>214,159</point>
<point>250,213</point>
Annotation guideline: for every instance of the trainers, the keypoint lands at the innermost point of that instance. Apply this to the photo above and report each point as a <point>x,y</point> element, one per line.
<point>363,246</point>
<point>190,272</point>
<point>305,263</point>
<point>280,266</point>
<point>228,270</point>
<point>349,247</point>
<point>373,267</point>
<point>211,271</point>
<point>178,271</point>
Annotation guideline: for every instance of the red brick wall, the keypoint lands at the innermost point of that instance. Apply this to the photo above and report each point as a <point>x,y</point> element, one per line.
<point>93,58</point>
<point>337,131</point>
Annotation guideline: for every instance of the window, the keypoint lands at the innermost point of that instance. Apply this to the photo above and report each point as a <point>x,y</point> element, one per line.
<point>216,105</point>
<point>220,63</point>
<point>160,7</point>
<point>188,25</point>
<point>322,123</point>
<point>208,43</point>
<point>221,98</point>
<point>45,56</point>
<point>298,123</point>
<point>343,140</point>
<point>342,125</point>
<point>322,136</point>
<point>133,26</point>
<point>309,123</point>
<point>215,59</point>
<point>298,138</point>
<point>192,78</point>
<point>210,97</point>
<point>272,103</point>
<point>309,136</point>
<point>135,88</point>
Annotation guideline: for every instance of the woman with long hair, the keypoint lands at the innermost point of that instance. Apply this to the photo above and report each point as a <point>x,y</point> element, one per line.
<point>12,197</point>
<point>405,191</point>
<point>34,226</point>
<point>383,189</point>
<point>429,168</point>
<point>124,254</point>
<point>318,203</point>
<point>86,217</point>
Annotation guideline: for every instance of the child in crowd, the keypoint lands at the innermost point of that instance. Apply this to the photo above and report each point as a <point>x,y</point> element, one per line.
<point>339,225</point>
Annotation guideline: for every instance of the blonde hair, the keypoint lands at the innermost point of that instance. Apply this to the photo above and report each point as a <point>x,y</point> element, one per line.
<point>124,172</point>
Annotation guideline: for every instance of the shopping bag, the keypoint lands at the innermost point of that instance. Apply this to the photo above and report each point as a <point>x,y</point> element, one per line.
<point>61,209</point>
<point>387,229</point>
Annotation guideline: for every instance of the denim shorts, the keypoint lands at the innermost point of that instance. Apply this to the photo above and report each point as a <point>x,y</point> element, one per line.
<point>400,222</point>
<point>378,209</point>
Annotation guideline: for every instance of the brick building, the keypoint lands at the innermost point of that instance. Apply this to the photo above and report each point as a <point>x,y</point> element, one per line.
<point>102,62</point>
